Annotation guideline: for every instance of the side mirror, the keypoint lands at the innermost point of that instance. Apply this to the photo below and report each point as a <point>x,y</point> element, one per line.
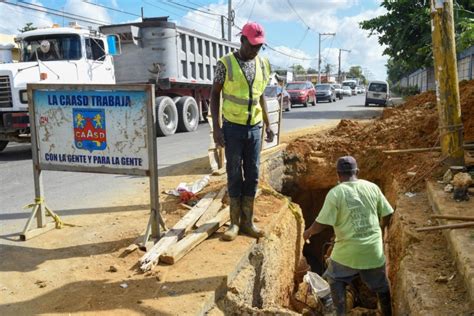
<point>114,45</point>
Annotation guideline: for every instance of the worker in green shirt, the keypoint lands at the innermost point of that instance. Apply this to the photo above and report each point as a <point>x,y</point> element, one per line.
<point>358,211</point>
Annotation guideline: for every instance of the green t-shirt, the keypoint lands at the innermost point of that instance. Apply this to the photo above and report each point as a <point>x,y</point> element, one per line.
<point>354,208</point>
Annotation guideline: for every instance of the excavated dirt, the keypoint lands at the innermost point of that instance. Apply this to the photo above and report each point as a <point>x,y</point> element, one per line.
<point>310,173</point>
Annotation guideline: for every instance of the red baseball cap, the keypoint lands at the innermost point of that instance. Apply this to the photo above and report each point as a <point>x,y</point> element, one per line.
<point>254,33</point>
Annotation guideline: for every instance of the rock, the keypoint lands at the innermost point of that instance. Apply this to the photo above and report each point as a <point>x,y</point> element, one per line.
<point>124,285</point>
<point>41,284</point>
<point>448,188</point>
<point>256,219</point>
<point>442,279</point>
<point>448,176</point>
<point>113,269</point>
<point>139,302</point>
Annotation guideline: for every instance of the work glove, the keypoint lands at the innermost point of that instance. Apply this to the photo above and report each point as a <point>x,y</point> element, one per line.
<point>270,134</point>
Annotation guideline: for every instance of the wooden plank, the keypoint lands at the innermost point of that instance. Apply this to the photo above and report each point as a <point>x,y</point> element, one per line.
<point>186,244</point>
<point>452,226</point>
<point>454,217</point>
<point>171,237</point>
<point>421,150</point>
<point>213,208</point>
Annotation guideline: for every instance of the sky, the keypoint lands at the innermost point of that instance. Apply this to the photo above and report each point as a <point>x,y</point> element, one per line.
<point>291,26</point>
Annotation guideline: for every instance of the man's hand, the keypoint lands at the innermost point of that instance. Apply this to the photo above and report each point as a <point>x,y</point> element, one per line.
<point>307,234</point>
<point>270,134</point>
<point>218,137</point>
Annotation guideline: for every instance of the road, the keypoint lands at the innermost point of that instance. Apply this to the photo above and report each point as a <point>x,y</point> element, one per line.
<point>72,193</point>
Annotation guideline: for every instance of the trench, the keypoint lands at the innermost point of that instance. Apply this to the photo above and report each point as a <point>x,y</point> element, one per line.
<point>250,292</point>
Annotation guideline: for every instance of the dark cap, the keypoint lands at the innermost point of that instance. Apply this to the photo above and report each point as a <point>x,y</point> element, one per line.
<point>346,164</point>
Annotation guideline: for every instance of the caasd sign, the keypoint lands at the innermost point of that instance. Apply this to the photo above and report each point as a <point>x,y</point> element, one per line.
<point>100,128</point>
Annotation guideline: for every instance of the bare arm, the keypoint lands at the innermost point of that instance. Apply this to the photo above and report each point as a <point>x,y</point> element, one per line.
<point>215,113</point>
<point>266,120</point>
<point>314,229</point>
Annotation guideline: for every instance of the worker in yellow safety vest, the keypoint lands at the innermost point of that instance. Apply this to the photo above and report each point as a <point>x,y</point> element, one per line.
<point>241,77</point>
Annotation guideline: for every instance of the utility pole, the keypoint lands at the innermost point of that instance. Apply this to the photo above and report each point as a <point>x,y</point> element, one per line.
<point>446,75</point>
<point>222,27</point>
<point>339,71</point>
<point>319,56</point>
<point>230,20</point>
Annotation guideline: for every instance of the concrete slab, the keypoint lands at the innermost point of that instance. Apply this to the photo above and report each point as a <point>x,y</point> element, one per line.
<point>461,241</point>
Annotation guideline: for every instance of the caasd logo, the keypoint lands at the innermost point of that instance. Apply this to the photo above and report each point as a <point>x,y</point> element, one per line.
<point>89,129</point>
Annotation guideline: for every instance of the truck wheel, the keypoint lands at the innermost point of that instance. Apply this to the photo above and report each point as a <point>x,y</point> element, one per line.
<point>166,116</point>
<point>188,113</point>
<point>3,144</point>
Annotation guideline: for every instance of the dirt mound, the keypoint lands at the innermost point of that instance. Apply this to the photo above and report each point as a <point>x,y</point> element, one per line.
<point>412,125</point>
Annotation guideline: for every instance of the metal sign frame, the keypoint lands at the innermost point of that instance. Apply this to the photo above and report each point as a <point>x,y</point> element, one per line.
<point>39,207</point>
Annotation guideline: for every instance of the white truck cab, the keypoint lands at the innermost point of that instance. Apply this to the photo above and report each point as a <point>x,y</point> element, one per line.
<point>50,55</point>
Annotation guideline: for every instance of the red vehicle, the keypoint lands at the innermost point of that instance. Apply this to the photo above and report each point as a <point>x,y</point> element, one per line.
<point>301,92</point>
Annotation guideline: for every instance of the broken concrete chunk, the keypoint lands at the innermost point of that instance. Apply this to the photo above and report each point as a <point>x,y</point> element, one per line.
<point>113,269</point>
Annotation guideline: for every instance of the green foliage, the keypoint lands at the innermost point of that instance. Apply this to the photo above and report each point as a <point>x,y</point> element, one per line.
<point>311,71</point>
<point>404,91</point>
<point>356,72</point>
<point>298,69</point>
<point>405,30</point>
<point>28,27</point>
<point>466,38</point>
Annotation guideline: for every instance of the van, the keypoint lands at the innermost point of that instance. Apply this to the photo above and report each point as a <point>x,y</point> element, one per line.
<point>377,93</point>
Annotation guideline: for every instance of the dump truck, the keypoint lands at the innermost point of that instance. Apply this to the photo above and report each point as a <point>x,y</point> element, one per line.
<point>50,55</point>
<point>179,61</point>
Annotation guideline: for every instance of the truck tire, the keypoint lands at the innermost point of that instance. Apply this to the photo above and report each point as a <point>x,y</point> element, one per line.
<point>3,144</point>
<point>188,114</point>
<point>166,116</point>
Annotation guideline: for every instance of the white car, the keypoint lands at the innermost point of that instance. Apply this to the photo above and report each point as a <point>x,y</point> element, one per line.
<point>346,90</point>
<point>377,93</point>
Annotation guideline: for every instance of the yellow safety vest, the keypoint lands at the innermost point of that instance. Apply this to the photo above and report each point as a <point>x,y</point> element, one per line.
<point>241,103</point>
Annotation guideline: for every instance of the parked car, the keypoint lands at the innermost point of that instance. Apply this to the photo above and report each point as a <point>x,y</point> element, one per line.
<point>377,93</point>
<point>346,90</point>
<point>362,88</point>
<point>325,92</point>
<point>276,91</point>
<point>358,90</point>
<point>339,92</point>
<point>301,92</point>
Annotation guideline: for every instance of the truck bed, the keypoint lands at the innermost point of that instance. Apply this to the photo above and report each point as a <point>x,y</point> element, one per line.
<point>160,52</point>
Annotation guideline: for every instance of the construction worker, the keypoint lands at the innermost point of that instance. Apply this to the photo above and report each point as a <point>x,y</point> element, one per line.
<point>358,212</point>
<point>242,76</point>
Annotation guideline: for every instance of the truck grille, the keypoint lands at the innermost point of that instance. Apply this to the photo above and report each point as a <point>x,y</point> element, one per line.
<point>5,92</point>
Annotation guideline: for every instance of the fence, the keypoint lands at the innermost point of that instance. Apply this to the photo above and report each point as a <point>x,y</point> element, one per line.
<point>424,79</point>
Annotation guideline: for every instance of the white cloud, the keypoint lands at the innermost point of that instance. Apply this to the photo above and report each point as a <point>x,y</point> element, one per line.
<point>321,16</point>
<point>89,11</point>
<point>14,18</point>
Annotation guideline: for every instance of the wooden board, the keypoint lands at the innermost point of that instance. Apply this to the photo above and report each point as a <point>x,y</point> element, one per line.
<point>186,244</point>
<point>171,237</point>
<point>213,209</point>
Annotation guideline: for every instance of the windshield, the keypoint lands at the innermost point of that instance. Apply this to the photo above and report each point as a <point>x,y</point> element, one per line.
<point>323,87</point>
<point>295,86</point>
<point>350,84</point>
<point>272,91</point>
<point>51,47</point>
<point>378,87</point>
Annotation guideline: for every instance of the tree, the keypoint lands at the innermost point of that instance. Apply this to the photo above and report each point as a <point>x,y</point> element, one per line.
<point>311,71</point>
<point>405,30</point>
<point>298,69</point>
<point>28,27</point>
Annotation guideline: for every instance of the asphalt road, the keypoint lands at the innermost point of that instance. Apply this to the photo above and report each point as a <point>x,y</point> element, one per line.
<point>74,193</point>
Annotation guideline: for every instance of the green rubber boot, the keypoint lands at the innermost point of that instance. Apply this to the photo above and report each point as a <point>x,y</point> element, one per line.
<point>235,210</point>
<point>247,225</point>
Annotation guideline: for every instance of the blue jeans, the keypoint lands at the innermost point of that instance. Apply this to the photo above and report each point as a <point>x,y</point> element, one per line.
<point>242,152</point>
<point>338,276</point>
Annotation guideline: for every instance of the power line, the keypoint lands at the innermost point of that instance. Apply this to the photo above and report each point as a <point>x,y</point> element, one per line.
<point>294,10</point>
<point>251,10</point>
<point>109,8</point>
<point>63,14</point>
<point>191,8</point>
<point>177,15</point>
